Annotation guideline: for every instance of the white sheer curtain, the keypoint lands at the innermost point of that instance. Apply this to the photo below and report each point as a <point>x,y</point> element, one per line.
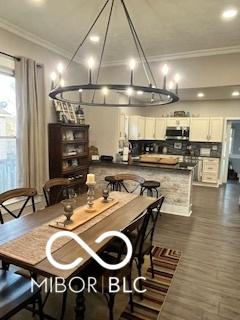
<point>31,134</point>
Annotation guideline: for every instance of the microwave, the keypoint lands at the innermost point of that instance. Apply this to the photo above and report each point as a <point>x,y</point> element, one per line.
<point>177,133</point>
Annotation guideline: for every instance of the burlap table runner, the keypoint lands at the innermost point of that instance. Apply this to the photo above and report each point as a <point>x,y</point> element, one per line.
<point>30,248</point>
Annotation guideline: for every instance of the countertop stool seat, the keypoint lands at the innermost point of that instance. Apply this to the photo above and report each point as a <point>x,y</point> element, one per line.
<point>115,185</point>
<point>150,186</point>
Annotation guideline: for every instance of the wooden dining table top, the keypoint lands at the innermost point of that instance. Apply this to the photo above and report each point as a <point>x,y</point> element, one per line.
<point>70,251</point>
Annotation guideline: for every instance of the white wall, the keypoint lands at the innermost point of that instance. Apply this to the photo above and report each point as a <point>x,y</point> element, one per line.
<point>17,46</point>
<point>208,71</point>
<point>216,108</point>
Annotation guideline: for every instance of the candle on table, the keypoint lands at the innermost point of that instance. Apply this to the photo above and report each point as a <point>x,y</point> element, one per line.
<point>91,178</point>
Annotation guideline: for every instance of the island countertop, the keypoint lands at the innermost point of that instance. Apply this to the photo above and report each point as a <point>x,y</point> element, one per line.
<point>176,181</point>
<point>180,166</point>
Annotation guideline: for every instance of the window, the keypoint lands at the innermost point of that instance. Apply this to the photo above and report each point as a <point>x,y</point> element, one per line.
<point>8,168</point>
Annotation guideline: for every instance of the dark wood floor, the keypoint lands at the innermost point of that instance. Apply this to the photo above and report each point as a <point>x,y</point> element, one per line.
<point>207,282</point>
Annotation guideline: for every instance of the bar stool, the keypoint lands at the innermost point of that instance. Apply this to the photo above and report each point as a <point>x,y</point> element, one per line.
<point>114,184</point>
<point>150,186</point>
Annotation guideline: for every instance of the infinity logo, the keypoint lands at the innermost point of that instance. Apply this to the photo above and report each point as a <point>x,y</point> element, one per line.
<point>83,244</point>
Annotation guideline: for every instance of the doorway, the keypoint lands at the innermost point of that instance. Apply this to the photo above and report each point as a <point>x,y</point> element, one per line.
<point>231,152</point>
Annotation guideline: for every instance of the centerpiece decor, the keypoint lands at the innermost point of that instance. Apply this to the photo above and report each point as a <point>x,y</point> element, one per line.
<point>93,93</point>
<point>91,193</point>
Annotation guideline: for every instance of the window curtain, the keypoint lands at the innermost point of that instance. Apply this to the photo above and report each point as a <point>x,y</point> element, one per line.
<point>31,128</point>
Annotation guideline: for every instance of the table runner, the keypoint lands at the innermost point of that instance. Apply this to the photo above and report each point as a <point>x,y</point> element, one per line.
<point>30,248</point>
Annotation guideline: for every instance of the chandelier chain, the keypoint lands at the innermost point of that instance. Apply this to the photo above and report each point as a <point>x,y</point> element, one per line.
<point>139,42</point>
<point>103,47</point>
<point>86,36</point>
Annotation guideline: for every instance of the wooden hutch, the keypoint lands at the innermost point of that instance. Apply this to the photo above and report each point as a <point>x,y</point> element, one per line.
<point>69,154</point>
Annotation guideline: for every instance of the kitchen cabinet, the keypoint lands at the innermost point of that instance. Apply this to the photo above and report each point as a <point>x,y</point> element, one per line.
<point>123,127</point>
<point>136,128</point>
<point>206,129</point>
<point>160,129</point>
<point>178,122</point>
<point>199,129</point>
<point>210,170</point>
<point>150,128</point>
<point>215,129</point>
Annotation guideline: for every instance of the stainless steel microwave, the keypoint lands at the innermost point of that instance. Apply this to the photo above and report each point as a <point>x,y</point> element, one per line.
<point>177,133</point>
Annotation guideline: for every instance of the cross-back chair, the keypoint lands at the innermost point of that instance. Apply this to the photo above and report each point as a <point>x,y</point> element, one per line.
<point>129,182</point>
<point>27,193</point>
<point>54,189</point>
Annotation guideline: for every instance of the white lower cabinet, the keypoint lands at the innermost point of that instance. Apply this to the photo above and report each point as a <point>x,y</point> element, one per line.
<point>210,170</point>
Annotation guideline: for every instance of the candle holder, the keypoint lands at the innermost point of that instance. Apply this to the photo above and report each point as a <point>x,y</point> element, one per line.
<point>68,205</point>
<point>90,198</point>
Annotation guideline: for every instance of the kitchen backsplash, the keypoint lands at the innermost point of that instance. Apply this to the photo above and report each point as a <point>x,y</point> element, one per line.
<point>176,147</point>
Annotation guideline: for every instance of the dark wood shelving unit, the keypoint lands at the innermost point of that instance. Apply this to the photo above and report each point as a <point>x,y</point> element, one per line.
<point>65,138</point>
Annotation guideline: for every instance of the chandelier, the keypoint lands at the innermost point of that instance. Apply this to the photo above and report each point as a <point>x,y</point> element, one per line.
<point>93,93</point>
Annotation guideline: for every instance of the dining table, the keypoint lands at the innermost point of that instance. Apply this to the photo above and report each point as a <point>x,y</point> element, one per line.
<point>23,241</point>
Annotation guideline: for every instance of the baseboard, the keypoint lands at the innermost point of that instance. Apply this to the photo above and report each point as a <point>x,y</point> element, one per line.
<point>204,184</point>
<point>176,210</point>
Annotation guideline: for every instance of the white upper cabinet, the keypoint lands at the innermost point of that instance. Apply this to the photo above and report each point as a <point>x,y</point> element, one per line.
<point>199,129</point>
<point>150,125</point>
<point>215,129</point>
<point>123,127</point>
<point>178,122</point>
<point>160,131</point>
<point>136,128</point>
<point>206,129</point>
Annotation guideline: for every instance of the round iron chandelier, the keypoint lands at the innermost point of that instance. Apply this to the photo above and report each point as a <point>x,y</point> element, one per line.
<point>96,94</point>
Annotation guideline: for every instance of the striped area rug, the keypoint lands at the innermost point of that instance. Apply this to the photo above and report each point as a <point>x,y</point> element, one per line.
<point>165,263</point>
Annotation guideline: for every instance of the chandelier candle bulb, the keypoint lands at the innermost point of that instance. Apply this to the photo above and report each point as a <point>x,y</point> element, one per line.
<point>90,67</point>
<point>165,70</point>
<point>53,78</point>
<point>132,65</point>
<point>171,85</point>
<point>177,79</point>
<point>60,68</point>
<point>80,95</point>
<point>105,92</point>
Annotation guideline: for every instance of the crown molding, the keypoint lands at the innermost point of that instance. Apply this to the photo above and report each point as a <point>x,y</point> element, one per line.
<point>4,24</point>
<point>35,39</point>
<point>182,55</point>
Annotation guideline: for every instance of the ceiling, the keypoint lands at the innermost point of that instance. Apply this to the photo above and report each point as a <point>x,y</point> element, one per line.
<point>165,26</point>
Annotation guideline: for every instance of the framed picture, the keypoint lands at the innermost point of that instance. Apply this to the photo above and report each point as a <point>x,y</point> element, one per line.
<point>65,112</point>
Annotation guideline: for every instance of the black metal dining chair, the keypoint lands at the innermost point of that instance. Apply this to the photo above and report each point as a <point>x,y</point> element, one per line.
<point>129,182</point>
<point>139,225</point>
<point>54,189</point>
<point>28,193</point>
<point>16,293</point>
<point>143,244</point>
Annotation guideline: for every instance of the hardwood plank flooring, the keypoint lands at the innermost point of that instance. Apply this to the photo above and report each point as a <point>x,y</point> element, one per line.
<point>207,282</point>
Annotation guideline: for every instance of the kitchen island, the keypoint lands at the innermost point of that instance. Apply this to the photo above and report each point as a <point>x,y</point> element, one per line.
<point>176,181</point>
